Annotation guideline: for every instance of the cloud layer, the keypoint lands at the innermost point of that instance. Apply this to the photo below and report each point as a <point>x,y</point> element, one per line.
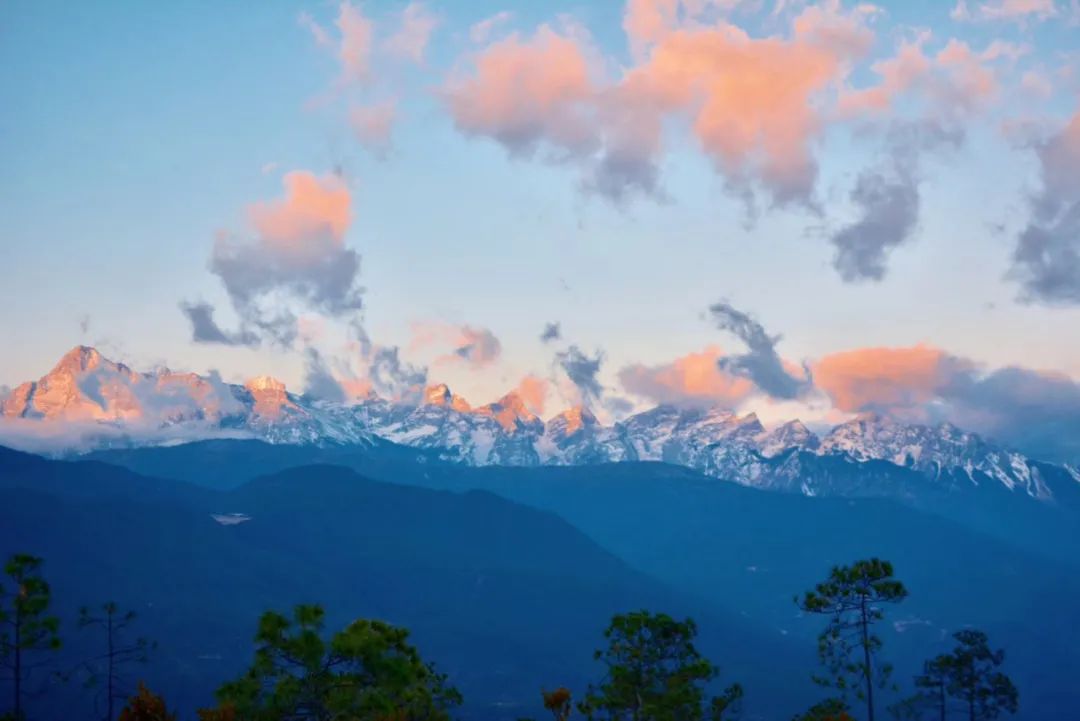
<point>693,380</point>
<point>1038,412</point>
<point>1047,255</point>
<point>753,104</point>
<point>761,363</point>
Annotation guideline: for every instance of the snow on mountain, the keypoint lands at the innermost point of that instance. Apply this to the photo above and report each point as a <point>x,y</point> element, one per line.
<point>934,450</point>
<point>126,407</point>
<point>112,404</point>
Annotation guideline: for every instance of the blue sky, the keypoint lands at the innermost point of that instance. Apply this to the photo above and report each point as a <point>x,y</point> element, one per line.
<point>133,134</point>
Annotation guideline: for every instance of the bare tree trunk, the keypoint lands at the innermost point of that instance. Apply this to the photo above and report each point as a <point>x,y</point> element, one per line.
<point>868,669</point>
<point>18,661</point>
<point>109,702</point>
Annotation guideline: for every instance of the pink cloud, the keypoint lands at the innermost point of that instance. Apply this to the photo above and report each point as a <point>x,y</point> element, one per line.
<point>950,84</point>
<point>315,209</point>
<point>482,30</point>
<point>752,103</point>
<point>354,50</point>
<point>693,379</point>
<point>887,378</point>
<point>524,91</point>
<point>414,34</point>
<point>476,347</point>
<point>373,125</point>
<point>533,392</point>
<point>298,253</point>
<point>1005,10</point>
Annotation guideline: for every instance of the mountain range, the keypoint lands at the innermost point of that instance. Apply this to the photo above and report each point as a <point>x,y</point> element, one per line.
<point>88,402</point>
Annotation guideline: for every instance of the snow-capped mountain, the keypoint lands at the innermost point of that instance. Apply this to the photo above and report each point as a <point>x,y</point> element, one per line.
<point>104,403</point>
<point>110,404</point>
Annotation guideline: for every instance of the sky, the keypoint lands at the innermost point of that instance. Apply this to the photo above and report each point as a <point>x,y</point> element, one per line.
<point>802,209</point>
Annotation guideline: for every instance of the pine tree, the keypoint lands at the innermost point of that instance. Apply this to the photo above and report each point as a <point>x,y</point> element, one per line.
<point>654,673</point>
<point>107,669</point>
<point>366,671</point>
<point>25,626</point>
<point>145,705</point>
<point>852,598</point>
<point>974,678</point>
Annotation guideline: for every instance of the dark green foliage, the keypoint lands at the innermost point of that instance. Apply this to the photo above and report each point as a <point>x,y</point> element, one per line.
<point>974,679</point>
<point>966,680</point>
<point>832,709</point>
<point>558,702</point>
<point>852,599</point>
<point>106,671</point>
<point>25,626</point>
<point>366,671</point>
<point>654,673</point>
<point>932,692</point>
<point>145,705</point>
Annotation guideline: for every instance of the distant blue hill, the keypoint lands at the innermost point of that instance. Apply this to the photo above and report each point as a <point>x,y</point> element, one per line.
<point>507,599</point>
<point>747,551</point>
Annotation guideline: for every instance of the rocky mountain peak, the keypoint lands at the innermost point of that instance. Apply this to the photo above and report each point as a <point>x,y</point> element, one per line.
<point>510,412</point>
<point>440,395</point>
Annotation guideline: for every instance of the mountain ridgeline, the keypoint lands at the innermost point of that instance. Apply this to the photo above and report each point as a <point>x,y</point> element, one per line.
<point>505,542</point>
<point>88,402</point>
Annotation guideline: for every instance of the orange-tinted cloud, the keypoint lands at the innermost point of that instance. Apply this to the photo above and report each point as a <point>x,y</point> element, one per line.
<point>886,378</point>
<point>752,103</point>
<point>414,34</point>
<point>533,392</point>
<point>477,347</point>
<point>298,253</point>
<point>694,379</point>
<point>313,208</point>
<point>525,91</point>
<point>949,84</point>
<point>373,125</point>
<point>1036,411</point>
<point>1008,10</point>
<point>354,52</point>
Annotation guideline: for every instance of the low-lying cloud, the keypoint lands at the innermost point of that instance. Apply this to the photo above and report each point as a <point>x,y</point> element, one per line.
<point>693,380</point>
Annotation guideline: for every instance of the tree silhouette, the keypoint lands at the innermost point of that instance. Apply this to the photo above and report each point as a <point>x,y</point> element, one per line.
<point>654,673</point>
<point>25,626</point>
<point>366,671</point>
<point>145,706</point>
<point>852,597</point>
<point>558,703</point>
<point>832,709</point>
<point>974,679</point>
<point>107,669</point>
<point>932,684</point>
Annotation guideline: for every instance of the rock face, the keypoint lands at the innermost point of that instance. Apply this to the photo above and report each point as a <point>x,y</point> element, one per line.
<point>868,455</point>
<point>112,404</point>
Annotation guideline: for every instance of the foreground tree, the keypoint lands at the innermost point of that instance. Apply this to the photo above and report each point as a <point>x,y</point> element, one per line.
<point>145,706</point>
<point>558,703</point>
<point>106,670</point>
<point>932,691</point>
<point>974,678</point>
<point>25,624</point>
<point>832,709</point>
<point>852,597</point>
<point>366,671</point>
<point>654,673</point>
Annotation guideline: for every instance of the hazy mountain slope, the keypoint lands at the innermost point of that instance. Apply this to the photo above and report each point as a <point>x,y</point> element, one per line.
<point>1050,529</point>
<point>749,551</point>
<point>506,598</point>
<point>89,402</point>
